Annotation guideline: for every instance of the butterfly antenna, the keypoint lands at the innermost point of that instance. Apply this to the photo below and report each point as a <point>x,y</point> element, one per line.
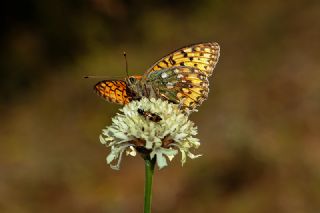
<point>93,76</point>
<point>101,76</point>
<point>125,58</point>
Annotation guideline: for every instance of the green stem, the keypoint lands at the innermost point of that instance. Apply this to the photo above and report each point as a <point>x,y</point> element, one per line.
<point>149,170</point>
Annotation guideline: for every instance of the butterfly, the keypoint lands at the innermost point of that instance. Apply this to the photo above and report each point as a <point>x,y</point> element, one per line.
<point>181,77</point>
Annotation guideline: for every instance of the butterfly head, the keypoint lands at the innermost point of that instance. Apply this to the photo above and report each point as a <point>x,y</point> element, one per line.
<point>134,83</point>
<point>131,79</point>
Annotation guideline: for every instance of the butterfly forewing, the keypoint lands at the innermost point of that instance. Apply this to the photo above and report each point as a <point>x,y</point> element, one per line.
<point>113,91</point>
<point>203,56</point>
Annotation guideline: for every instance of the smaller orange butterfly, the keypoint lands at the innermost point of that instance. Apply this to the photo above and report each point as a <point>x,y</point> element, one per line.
<point>180,77</point>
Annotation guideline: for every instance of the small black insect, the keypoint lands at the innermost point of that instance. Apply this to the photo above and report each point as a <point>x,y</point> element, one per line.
<point>150,116</point>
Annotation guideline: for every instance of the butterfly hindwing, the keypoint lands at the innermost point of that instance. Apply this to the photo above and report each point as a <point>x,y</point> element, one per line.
<point>203,56</point>
<point>186,86</point>
<point>113,91</point>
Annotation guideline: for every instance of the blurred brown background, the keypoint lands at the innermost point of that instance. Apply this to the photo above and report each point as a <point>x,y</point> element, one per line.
<point>259,128</point>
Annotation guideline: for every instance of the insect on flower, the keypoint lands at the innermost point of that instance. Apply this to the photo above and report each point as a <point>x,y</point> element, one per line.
<point>149,115</point>
<point>181,77</point>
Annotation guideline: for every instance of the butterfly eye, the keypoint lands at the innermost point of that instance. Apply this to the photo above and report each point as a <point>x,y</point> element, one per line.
<point>132,80</point>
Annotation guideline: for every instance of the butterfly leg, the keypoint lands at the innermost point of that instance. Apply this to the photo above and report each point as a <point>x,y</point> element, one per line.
<point>181,104</point>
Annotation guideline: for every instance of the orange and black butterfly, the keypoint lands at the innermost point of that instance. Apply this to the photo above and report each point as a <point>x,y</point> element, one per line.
<point>181,77</point>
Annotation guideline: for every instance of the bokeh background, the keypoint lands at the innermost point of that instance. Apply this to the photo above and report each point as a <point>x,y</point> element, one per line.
<point>260,127</point>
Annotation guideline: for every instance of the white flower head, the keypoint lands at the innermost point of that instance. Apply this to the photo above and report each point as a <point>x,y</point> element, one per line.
<point>153,127</point>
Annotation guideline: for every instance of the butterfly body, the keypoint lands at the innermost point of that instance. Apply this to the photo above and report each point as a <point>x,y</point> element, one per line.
<point>180,77</point>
